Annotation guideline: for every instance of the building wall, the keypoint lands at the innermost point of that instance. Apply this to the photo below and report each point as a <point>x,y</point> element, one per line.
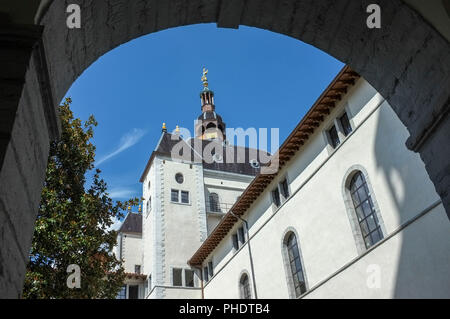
<point>173,231</point>
<point>228,187</point>
<point>132,251</point>
<point>317,213</point>
<point>182,229</point>
<point>147,216</point>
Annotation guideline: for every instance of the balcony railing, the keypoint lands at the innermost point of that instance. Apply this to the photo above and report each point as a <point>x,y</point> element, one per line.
<point>217,207</point>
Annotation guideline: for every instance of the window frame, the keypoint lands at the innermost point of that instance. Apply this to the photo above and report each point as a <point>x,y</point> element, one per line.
<point>214,199</point>
<point>285,196</point>
<point>344,127</point>
<point>172,192</point>
<point>244,286</point>
<point>137,291</point>
<point>185,278</point>
<point>276,200</point>
<point>289,272</point>
<point>330,137</point>
<point>210,268</point>
<point>180,196</point>
<point>122,292</point>
<point>173,276</point>
<point>241,236</point>
<point>351,212</point>
<point>235,241</point>
<point>137,267</point>
<point>205,274</point>
<point>366,231</point>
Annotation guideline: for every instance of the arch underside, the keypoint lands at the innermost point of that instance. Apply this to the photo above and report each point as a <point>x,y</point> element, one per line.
<point>395,59</point>
<point>406,60</point>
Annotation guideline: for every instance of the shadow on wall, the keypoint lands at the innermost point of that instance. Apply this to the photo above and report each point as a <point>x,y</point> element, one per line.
<point>422,256</point>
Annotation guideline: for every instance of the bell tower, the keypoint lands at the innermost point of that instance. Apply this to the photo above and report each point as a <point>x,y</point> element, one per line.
<point>209,124</point>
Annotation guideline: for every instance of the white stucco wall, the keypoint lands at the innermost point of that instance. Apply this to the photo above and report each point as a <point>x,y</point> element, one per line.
<point>147,220</point>
<point>228,187</point>
<point>131,251</point>
<point>317,213</point>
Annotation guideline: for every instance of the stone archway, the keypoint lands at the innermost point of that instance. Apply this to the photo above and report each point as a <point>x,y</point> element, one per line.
<point>406,60</point>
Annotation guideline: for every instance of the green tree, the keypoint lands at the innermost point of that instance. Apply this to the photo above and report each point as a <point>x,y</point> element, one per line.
<point>73,223</point>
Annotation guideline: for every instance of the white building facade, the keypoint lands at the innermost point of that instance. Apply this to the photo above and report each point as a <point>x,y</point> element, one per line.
<point>184,198</point>
<point>350,213</point>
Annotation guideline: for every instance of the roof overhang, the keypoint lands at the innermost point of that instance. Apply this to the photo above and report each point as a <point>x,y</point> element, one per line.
<point>291,146</point>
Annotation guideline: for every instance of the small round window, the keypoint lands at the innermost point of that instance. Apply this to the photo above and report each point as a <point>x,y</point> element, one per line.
<point>179,178</point>
<point>254,163</point>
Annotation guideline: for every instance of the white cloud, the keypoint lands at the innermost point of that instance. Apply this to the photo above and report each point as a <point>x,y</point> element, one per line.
<point>126,141</point>
<point>121,193</point>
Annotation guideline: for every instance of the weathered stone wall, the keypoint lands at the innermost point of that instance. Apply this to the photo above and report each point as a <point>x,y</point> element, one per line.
<point>406,60</point>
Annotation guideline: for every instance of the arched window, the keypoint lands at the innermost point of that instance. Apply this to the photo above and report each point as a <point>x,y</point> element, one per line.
<point>365,210</point>
<point>214,202</point>
<point>244,285</point>
<point>296,276</point>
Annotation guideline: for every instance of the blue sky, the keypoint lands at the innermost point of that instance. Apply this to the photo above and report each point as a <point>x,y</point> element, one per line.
<point>260,79</point>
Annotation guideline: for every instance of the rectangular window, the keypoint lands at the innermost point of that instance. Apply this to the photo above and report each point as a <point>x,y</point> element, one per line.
<point>345,123</point>
<point>174,195</point>
<point>189,277</point>
<point>177,277</point>
<point>137,269</point>
<point>185,197</point>
<point>133,292</point>
<point>284,188</point>
<point>276,197</point>
<point>205,274</point>
<point>334,138</point>
<point>235,241</point>
<point>241,235</point>
<point>122,293</point>
<point>210,268</point>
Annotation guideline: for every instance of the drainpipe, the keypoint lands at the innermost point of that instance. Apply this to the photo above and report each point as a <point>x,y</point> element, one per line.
<point>201,281</point>
<point>249,252</point>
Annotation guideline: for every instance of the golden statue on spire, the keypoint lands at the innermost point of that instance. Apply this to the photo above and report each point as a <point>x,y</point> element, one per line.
<point>204,78</point>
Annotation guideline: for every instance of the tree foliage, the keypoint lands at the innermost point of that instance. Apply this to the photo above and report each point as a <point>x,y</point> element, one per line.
<point>73,223</point>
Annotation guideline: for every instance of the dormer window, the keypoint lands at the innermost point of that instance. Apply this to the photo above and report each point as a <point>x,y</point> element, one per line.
<point>334,137</point>
<point>284,187</point>
<point>345,124</point>
<point>276,197</point>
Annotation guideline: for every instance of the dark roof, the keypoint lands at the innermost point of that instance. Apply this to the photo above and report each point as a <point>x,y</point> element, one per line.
<point>227,158</point>
<point>210,115</point>
<point>132,224</point>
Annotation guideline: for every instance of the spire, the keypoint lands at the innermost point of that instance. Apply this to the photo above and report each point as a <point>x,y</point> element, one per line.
<point>206,95</point>
<point>205,79</point>
<point>209,123</point>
